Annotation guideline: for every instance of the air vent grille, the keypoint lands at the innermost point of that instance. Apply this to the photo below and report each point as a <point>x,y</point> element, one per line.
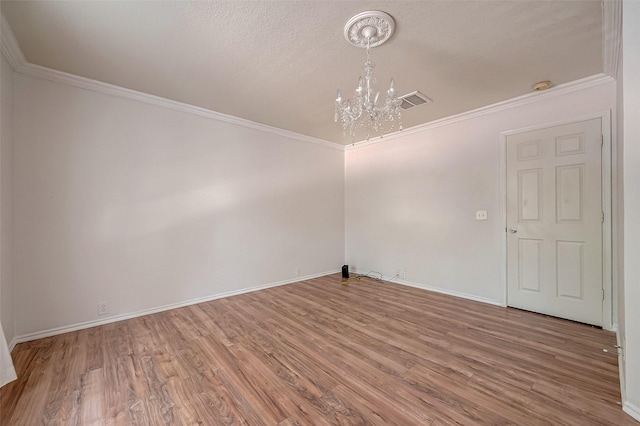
<point>414,99</point>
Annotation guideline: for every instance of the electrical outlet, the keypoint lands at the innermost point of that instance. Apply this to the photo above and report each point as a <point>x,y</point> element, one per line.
<point>298,269</point>
<point>103,308</point>
<point>481,215</point>
<point>402,274</point>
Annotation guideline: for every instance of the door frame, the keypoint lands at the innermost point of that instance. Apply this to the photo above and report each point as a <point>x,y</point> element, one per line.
<point>605,119</point>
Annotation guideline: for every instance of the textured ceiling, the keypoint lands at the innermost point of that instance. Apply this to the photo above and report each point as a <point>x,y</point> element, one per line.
<point>280,62</point>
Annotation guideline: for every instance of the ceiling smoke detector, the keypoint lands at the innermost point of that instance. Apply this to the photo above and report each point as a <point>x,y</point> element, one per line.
<point>543,85</point>
<point>413,99</point>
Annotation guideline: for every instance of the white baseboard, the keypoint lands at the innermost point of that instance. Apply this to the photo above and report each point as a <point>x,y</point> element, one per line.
<point>88,324</point>
<point>448,292</point>
<point>13,343</point>
<point>631,410</point>
<point>440,290</point>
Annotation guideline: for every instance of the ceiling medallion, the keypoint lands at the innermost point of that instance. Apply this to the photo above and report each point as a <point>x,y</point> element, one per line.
<point>382,23</point>
<point>364,111</point>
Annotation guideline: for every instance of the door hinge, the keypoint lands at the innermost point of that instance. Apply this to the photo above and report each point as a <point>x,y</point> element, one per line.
<point>601,140</point>
<point>602,217</point>
<point>603,294</point>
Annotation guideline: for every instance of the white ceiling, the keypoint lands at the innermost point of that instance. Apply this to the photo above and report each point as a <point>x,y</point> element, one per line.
<point>279,62</point>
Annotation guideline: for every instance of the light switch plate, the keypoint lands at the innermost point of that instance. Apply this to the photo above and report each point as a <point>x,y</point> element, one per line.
<point>481,215</point>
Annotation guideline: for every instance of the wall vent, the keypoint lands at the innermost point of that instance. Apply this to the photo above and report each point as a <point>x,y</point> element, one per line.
<point>414,99</point>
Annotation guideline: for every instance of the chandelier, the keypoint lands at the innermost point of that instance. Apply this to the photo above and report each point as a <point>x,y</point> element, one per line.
<point>366,111</point>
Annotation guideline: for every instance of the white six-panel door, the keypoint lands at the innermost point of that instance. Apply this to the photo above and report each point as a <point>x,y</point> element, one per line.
<point>554,221</point>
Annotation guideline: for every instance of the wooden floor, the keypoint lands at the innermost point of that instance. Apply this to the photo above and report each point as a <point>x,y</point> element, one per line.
<point>318,352</point>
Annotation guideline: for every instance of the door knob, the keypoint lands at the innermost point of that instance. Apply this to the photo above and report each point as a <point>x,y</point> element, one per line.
<point>513,229</point>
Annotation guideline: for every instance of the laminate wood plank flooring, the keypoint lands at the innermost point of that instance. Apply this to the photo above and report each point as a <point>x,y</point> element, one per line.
<point>319,352</point>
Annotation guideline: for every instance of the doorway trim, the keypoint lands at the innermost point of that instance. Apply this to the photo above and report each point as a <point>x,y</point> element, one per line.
<point>605,119</point>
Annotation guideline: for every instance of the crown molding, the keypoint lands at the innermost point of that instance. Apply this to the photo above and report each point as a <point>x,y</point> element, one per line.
<point>10,48</point>
<point>612,33</point>
<point>526,99</point>
<point>16,59</point>
<point>611,36</point>
<point>45,73</point>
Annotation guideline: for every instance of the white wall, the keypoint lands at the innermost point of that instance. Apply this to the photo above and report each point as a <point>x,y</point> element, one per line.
<point>631,102</point>
<point>143,206</point>
<point>7,311</point>
<point>411,201</point>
